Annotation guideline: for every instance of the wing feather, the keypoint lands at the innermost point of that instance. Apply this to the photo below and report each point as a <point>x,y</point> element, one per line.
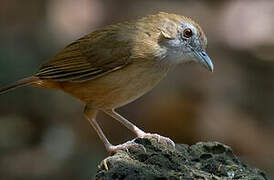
<point>88,58</point>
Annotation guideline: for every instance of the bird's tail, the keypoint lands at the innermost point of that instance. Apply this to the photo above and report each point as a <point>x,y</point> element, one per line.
<point>23,82</point>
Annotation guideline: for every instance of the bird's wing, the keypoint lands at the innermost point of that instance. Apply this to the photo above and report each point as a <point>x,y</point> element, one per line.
<point>88,58</point>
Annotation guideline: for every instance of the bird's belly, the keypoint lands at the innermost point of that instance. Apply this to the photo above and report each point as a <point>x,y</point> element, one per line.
<point>116,88</point>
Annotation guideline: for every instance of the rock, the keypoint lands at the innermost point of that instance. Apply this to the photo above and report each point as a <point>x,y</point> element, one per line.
<point>160,161</point>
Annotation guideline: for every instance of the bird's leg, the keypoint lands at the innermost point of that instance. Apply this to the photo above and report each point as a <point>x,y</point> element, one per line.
<point>137,131</point>
<point>90,114</point>
<point>125,122</point>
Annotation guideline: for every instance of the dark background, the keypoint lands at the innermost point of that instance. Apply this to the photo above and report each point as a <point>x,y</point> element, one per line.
<point>43,134</point>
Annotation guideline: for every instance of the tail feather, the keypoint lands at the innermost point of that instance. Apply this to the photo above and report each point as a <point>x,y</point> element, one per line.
<point>23,82</point>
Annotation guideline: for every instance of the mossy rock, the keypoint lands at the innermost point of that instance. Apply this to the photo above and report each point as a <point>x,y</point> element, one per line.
<point>161,161</point>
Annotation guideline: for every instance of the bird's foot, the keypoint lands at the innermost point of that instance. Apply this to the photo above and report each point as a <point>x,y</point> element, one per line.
<point>158,137</point>
<point>112,149</point>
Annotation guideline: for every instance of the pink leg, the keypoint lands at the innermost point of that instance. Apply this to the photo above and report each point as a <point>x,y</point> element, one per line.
<point>139,133</point>
<point>90,114</point>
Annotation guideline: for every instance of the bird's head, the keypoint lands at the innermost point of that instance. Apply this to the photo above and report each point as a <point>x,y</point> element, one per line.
<point>182,39</point>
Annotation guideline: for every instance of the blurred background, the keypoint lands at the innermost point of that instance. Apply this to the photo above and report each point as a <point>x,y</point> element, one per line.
<point>43,134</point>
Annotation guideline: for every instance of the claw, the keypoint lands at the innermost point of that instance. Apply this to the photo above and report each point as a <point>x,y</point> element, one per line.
<point>158,137</point>
<point>105,164</point>
<point>125,147</point>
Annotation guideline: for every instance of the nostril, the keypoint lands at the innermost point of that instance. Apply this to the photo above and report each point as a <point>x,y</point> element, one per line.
<point>203,54</point>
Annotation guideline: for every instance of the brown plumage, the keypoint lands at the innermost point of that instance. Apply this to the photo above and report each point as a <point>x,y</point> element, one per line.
<point>119,63</point>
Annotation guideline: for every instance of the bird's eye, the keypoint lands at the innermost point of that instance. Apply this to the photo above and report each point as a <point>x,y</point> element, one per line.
<point>187,33</point>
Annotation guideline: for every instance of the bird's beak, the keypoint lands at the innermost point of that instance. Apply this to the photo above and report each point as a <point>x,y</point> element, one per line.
<point>204,59</point>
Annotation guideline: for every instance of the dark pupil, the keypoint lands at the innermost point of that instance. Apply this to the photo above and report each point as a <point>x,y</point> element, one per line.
<point>188,33</point>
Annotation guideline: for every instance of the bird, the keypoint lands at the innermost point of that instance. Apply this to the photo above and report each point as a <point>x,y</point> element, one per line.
<point>117,64</point>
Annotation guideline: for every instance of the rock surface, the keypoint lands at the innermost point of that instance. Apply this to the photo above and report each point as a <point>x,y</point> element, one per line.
<point>160,161</point>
